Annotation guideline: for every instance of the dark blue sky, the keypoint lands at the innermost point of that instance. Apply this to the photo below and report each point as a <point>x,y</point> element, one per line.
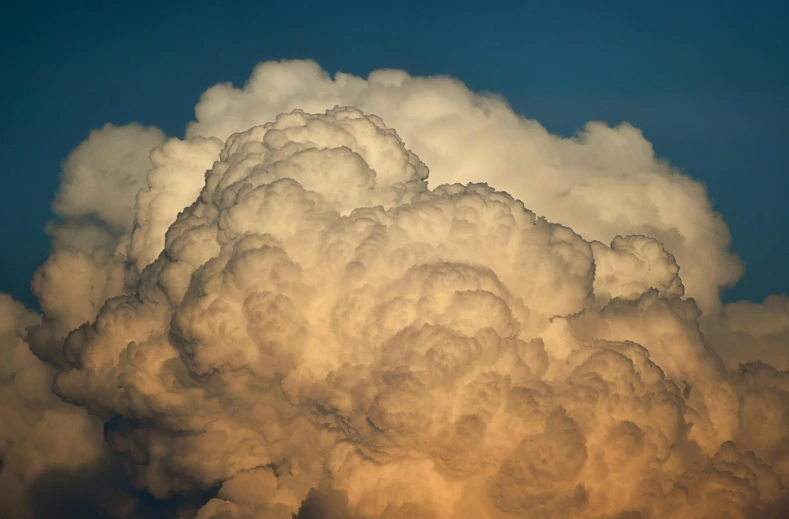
<point>708,83</point>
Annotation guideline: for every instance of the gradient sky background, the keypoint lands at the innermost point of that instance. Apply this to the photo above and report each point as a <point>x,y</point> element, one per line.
<point>707,83</point>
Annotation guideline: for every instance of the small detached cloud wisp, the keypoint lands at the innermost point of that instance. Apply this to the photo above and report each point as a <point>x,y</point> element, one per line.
<point>285,315</point>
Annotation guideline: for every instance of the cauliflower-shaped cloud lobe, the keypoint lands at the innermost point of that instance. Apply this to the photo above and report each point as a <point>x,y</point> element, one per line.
<point>602,183</point>
<point>318,333</point>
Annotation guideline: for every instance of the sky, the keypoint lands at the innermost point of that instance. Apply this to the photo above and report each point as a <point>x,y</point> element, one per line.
<point>707,83</point>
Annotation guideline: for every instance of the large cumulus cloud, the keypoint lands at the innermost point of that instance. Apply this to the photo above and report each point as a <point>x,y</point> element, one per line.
<point>602,183</point>
<point>277,316</point>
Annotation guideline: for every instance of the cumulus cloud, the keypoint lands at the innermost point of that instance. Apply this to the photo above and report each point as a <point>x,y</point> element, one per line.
<point>745,332</point>
<point>38,432</point>
<point>289,314</point>
<point>112,161</point>
<point>603,182</point>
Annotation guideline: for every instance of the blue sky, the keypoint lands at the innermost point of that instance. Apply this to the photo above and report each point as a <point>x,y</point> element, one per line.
<point>707,82</point>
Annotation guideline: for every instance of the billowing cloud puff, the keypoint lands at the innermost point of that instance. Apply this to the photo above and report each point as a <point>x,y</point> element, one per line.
<point>39,433</point>
<point>745,332</point>
<point>112,160</point>
<point>174,181</point>
<point>602,183</point>
<point>283,318</point>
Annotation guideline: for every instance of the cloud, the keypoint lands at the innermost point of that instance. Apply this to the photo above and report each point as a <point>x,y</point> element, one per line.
<point>745,332</point>
<point>38,432</point>
<point>284,315</point>
<point>102,175</point>
<point>603,182</point>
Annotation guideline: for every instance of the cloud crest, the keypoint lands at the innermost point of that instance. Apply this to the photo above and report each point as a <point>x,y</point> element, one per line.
<point>602,183</point>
